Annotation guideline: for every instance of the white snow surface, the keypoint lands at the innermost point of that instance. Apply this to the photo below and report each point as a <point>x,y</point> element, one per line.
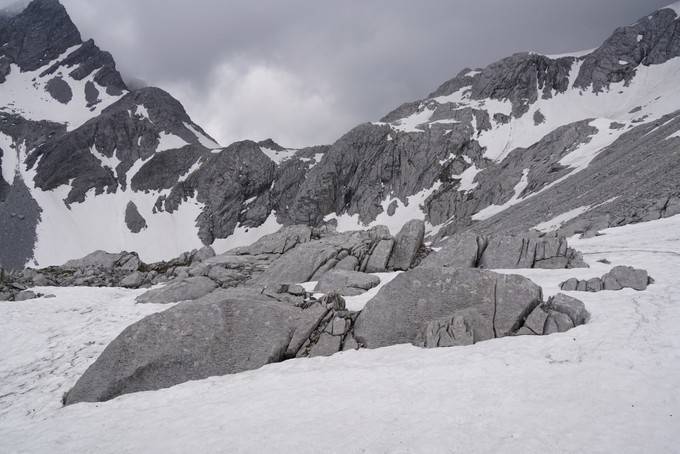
<point>202,138</point>
<point>278,156</point>
<point>10,158</point>
<point>24,93</point>
<point>169,141</point>
<point>245,236</point>
<point>556,222</point>
<point>608,386</point>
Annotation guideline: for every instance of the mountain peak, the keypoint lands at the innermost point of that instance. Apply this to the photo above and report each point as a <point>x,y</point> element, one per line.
<point>674,6</point>
<point>39,34</point>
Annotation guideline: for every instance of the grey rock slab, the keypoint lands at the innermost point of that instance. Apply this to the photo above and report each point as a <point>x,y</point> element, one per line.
<point>461,251</point>
<point>179,290</point>
<point>610,283</point>
<point>573,308</point>
<point>134,280</point>
<point>226,276</point>
<point>279,242</point>
<point>406,245</point>
<point>557,322</point>
<point>340,279</point>
<point>448,332</point>
<point>327,345</point>
<point>223,333</point>
<point>101,259</point>
<point>569,285</point>
<point>349,263</point>
<point>494,305</point>
<point>379,258</point>
<point>25,295</point>
<point>133,219</point>
<point>629,277</point>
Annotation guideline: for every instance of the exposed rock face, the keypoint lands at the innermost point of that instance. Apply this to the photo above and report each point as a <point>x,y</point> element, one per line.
<point>564,313</point>
<point>225,332</point>
<point>100,259</point>
<point>135,222</point>
<point>346,283</point>
<point>618,278</point>
<point>181,290</point>
<point>488,304</point>
<point>407,243</point>
<point>278,243</point>
<point>309,261</point>
<point>142,141</point>
<point>505,252</point>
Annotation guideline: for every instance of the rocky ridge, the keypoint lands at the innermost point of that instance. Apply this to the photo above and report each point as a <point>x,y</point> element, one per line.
<point>567,144</point>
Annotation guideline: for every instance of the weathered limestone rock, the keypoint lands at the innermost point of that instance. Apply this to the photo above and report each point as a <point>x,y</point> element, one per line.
<point>346,282</point>
<point>179,290</point>
<point>223,333</point>
<point>379,258</point>
<point>406,245</point>
<point>493,305</point>
<point>618,278</point>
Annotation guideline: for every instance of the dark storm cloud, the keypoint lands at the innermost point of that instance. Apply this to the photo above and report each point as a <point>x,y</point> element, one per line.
<point>304,72</point>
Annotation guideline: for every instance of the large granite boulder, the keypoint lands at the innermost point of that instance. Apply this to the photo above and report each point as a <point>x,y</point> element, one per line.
<point>479,303</point>
<point>226,332</point>
<point>564,313</point>
<point>179,290</point>
<point>461,251</point>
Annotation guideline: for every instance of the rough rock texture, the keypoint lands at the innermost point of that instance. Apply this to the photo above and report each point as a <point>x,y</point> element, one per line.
<point>372,169</point>
<point>492,305</point>
<point>187,289</point>
<point>407,243</point>
<point>310,260</point>
<point>135,222</point>
<point>278,243</point>
<point>380,257</point>
<point>505,252</point>
<point>101,259</point>
<point>564,313</point>
<point>224,333</point>
<point>347,283</point>
<point>618,278</point>
<point>448,332</point>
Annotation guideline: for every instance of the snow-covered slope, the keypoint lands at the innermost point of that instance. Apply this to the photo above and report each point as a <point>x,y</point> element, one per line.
<point>587,139</point>
<point>607,386</point>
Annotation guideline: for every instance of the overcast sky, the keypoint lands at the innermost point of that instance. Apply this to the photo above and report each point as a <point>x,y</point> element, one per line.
<point>305,72</point>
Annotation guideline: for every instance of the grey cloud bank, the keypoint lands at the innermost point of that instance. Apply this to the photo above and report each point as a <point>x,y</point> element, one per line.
<point>304,72</point>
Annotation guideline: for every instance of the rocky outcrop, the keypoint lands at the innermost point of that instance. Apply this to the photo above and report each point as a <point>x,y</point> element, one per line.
<point>134,221</point>
<point>469,250</point>
<point>563,313</point>
<point>407,244</point>
<point>347,283</point>
<point>365,251</point>
<point>187,289</point>
<point>411,308</point>
<point>618,278</point>
<point>225,332</point>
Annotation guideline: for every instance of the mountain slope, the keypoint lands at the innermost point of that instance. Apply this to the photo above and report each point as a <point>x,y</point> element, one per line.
<point>576,143</point>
